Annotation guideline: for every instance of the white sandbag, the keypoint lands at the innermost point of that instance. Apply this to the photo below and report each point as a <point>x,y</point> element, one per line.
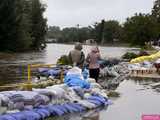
<point>74,71</point>
<point>95,85</point>
<point>47,92</point>
<point>147,64</point>
<point>91,80</point>
<point>59,92</point>
<point>12,111</point>
<point>87,95</point>
<point>135,66</point>
<point>71,95</point>
<point>157,61</point>
<point>99,92</point>
<point>4,99</point>
<point>10,105</point>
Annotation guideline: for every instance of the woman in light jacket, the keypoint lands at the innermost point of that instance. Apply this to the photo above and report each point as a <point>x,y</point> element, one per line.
<point>94,66</point>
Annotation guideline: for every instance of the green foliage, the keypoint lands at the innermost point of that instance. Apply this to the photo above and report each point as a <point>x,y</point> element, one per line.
<point>38,27</point>
<point>156,10</point>
<point>140,29</point>
<point>17,23</point>
<point>63,60</point>
<point>113,94</point>
<point>112,30</point>
<point>156,15</point>
<point>129,55</point>
<point>69,35</point>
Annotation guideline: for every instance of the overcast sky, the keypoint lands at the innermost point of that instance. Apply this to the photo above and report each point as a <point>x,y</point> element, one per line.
<point>67,13</point>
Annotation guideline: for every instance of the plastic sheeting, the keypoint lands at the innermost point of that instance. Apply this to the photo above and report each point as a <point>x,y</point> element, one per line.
<point>75,80</point>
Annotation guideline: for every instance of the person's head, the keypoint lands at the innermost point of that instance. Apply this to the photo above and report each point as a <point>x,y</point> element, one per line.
<point>78,46</point>
<point>94,49</point>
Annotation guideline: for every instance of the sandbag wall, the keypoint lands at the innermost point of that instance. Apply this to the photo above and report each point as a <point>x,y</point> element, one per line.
<point>55,100</point>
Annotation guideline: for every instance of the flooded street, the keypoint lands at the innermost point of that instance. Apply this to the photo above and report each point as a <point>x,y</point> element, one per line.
<point>136,95</point>
<point>14,67</point>
<point>137,98</point>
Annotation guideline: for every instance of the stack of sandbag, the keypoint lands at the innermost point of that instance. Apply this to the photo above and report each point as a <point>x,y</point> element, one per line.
<point>54,100</point>
<point>53,72</point>
<point>114,71</point>
<point>21,100</point>
<point>145,65</point>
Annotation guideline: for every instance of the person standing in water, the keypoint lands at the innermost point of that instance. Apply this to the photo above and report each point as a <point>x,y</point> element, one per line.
<point>76,56</point>
<point>94,66</point>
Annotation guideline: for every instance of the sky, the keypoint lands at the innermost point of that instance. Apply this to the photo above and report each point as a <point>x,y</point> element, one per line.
<point>69,13</point>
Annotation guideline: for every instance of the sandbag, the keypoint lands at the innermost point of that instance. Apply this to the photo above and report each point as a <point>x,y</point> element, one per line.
<point>19,116</point>
<point>7,117</point>
<point>70,108</point>
<point>97,98</point>
<point>30,115</point>
<point>62,108</point>
<point>78,107</point>
<point>96,102</point>
<point>86,104</point>
<point>42,112</point>
<point>55,110</point>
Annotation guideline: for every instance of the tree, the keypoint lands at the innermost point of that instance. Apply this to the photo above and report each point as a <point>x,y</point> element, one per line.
<point>38,27</point>
<point>112,30</point>
<point>106,31</point>
<point>24,40</point>
<point>97,31</point>
<point>139,29</point>
<point>14,35</point>
<point>156,15</point>
<point>156,10</point>
<point>7,25</point>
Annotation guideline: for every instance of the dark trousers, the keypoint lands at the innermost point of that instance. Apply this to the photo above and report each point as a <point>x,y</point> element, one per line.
<point>94,73</point>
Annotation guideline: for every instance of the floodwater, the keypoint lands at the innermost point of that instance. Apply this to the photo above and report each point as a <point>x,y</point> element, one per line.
<point>13,68</point>
<point>137,98</point>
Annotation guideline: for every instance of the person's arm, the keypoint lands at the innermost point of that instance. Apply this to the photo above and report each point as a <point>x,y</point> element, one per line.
<point>70,58</point>
<point>82,59</point>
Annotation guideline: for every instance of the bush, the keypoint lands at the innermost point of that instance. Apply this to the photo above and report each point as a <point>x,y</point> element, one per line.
<point>63,60</point>
<point>129,55</point>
